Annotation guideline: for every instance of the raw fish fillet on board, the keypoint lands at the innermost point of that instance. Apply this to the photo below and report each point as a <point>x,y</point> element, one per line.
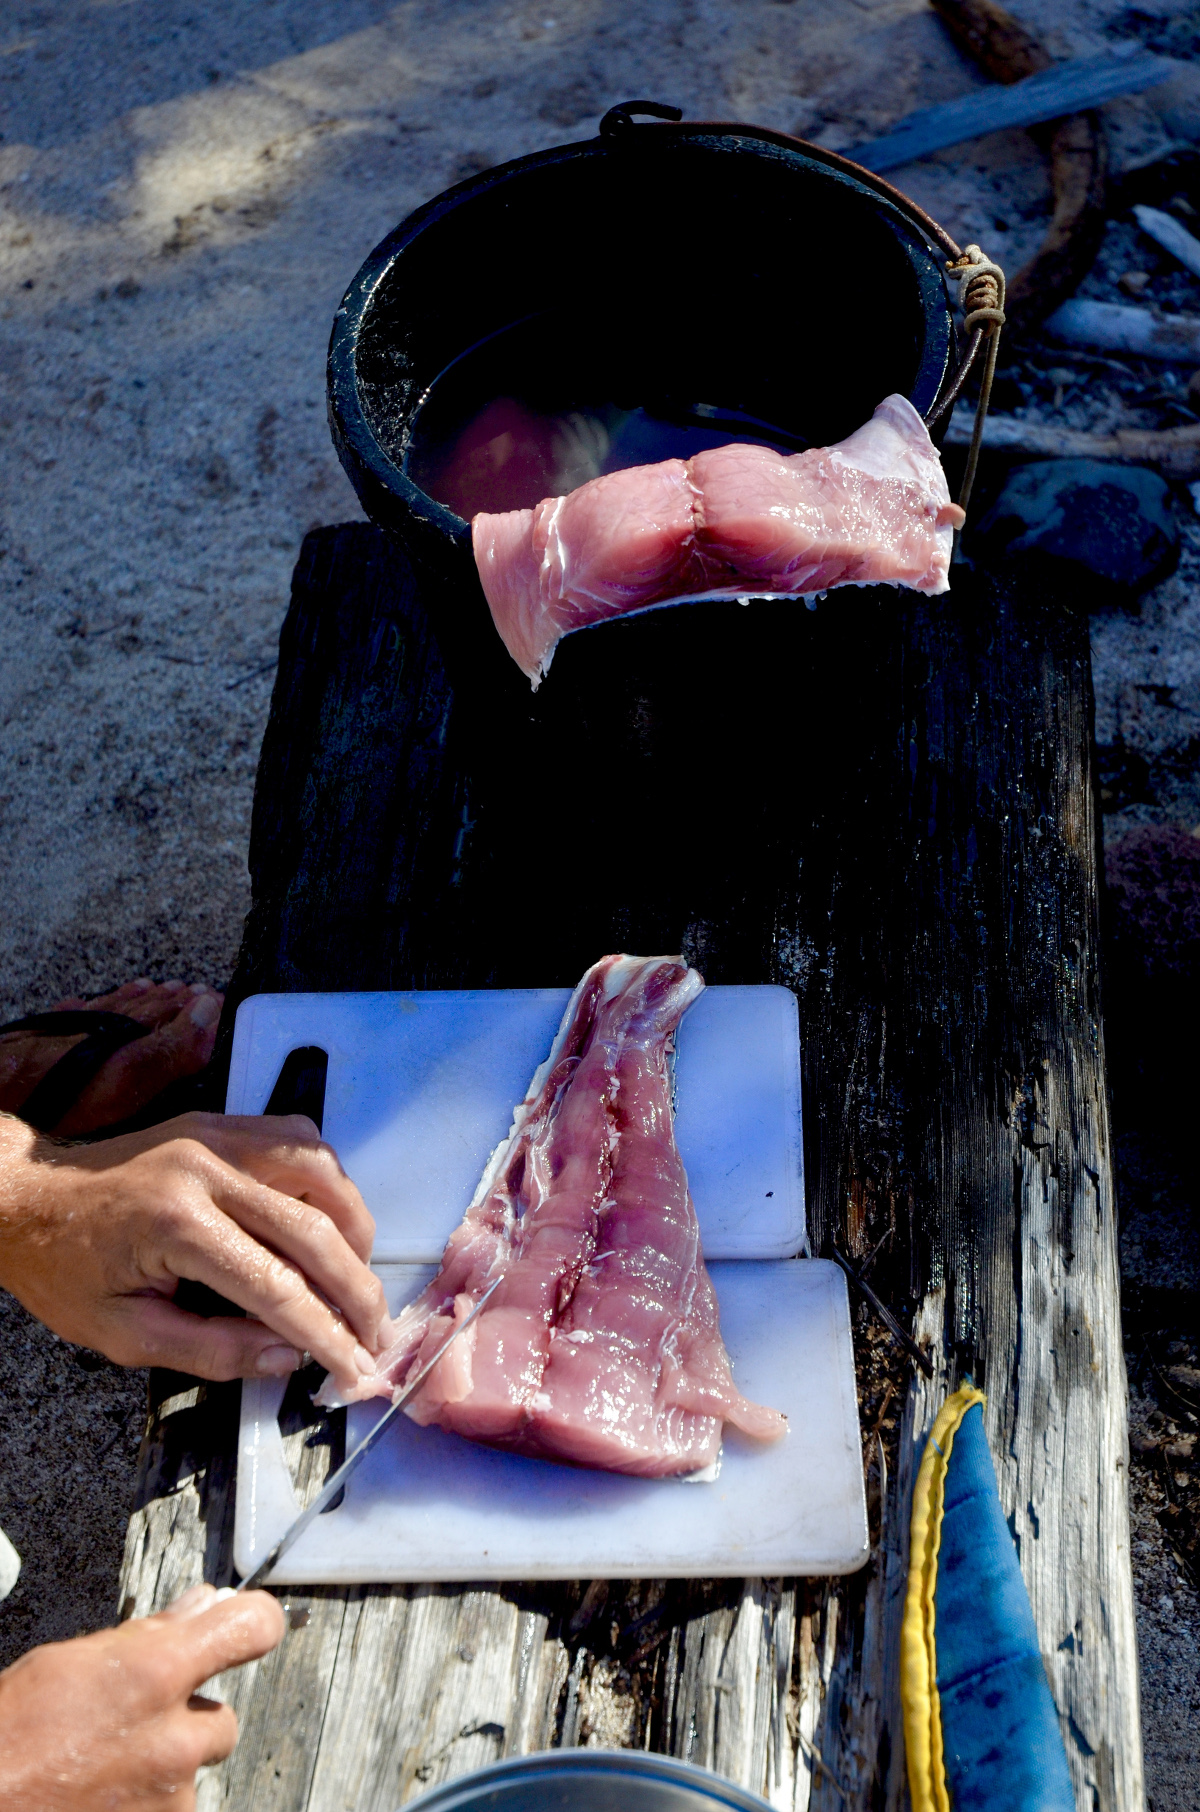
<point>602,1345</point>
<point>737,521</point>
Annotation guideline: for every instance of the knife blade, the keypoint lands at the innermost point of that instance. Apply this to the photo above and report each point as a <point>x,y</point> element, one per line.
<point>351,1463</point>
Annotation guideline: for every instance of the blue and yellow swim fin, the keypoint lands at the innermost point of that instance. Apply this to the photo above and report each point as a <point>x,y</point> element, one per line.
<point>980,1726</point>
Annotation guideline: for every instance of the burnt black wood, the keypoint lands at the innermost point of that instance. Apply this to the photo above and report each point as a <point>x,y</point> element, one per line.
<point>865,803</point>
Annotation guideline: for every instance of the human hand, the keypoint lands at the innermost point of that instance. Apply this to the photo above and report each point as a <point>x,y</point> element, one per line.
<point>94,1240</point>
<point>113,1722</point>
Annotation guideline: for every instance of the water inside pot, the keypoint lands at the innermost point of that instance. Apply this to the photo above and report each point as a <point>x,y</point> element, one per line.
<point>528,415</point>
<point>613,305</point>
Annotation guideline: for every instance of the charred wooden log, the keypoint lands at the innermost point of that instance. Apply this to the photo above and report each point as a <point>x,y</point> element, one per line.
<point>885,805</point>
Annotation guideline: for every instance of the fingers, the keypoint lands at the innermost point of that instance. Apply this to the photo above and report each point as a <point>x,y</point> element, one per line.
<point>197,1598</point>
<point>152,1330</point>
<point>278,1295</point>
<point>213,1727</point>
<point>206,1731</point>
<point>312,1242</point>
<point>286,1153</point>
<point>315,1260</point>
<point>228,1634</point>
<point>213,1250</point>
<point>203,1217</point>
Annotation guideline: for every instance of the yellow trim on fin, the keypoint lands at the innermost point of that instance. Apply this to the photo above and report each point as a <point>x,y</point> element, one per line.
<point>918,1649</point>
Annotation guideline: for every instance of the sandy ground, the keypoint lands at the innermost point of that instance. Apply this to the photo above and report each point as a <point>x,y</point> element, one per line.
<point>185,191</point>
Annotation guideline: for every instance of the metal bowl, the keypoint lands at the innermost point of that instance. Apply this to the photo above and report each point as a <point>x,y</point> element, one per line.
<point>590,1780</point>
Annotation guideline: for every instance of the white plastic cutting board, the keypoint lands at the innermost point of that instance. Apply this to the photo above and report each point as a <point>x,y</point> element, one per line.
<point>421,1088</point>
<point>430,1505</point>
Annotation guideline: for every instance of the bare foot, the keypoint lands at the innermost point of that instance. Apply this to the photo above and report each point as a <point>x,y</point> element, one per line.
<point>184,1021</point>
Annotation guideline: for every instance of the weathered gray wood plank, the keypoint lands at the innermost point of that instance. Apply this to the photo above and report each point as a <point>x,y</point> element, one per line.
<point>1069,87</point>
<point>885,805</point>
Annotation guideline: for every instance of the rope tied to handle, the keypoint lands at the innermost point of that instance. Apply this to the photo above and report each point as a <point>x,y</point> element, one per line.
<point>981,280</point>
<point>981,291</point>
<point>981,296</point>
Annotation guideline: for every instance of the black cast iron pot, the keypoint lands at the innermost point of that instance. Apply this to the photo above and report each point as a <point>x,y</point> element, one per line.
<point>720,266</point>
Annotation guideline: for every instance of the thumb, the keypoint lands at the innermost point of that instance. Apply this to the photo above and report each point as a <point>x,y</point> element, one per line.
<point>155,1331</point>
<point>228,1633</point>
<point>192,1603</point>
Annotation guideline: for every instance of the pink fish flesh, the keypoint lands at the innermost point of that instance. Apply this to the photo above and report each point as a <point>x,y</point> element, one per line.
<point>602,1345</point>
<point>732,522</point>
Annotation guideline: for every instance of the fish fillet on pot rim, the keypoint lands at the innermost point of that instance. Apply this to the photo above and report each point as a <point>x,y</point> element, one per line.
<point>732,522</point>
<point>602,1345</point>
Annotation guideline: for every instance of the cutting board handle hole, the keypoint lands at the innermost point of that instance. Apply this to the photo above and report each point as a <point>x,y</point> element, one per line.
<point>314,1439</point>
<point>300,1085</point>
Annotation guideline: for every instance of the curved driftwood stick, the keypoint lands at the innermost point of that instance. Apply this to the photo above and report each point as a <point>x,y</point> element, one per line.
<point>1174,451</point>
<point>1078,156</point>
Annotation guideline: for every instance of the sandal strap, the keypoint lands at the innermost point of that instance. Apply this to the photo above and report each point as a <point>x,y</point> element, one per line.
<point>65,1081</point>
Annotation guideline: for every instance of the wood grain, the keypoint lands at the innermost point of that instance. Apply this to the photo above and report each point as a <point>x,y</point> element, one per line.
<point>886,805</point>
<point>1174,451</point>
<point>1065,89</point>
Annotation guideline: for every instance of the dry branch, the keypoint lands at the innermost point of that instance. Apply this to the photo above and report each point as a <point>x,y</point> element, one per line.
<point>1078,156</point>
<point>1175,452</point>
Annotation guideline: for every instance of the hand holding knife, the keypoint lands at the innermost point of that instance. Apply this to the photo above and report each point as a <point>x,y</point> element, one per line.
<point>350,1465</point>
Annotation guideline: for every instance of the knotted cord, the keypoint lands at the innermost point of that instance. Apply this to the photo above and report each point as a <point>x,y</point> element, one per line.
<point>981,280</point>
<point>981,293</point>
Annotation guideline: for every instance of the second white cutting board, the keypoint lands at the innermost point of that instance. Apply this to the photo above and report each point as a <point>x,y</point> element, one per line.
<point>430,1505</point>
